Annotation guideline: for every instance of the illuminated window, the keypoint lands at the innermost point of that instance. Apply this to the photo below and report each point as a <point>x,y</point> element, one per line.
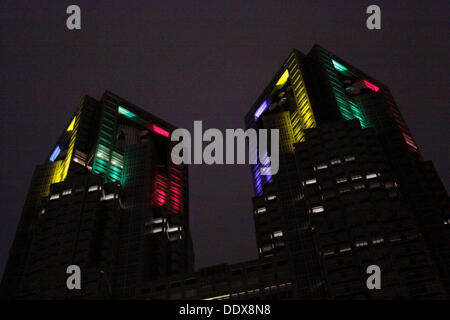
<point>54,196</point>
<point>109,197</point>
<point>346,249</point>
<point>157,230</point>
<point>277,234</point>
<point>261,210</point>
<point>271,197</point>
<point>174,229</point>
<point>371,175</point>
<point>378,240</point>
<point>317,209</point>
<point>359,186</point>
<point>356,177</point>
<point>335,161</point>
<point>66,192</point>
<point>93,188</point>
<point>361,244</point>
<point>341,180</point>
<point>322,166</point>
<point>309,181</point>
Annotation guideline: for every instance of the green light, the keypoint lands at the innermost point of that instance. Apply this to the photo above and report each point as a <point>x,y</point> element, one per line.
<point>338,66</point>
<point>126,113</point>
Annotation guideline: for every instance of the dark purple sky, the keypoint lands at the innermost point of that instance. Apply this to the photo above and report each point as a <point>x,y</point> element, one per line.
<point>203,60</point>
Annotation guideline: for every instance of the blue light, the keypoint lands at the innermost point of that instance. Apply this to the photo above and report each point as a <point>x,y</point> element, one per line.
<point>55,154</point>
<point>261,109</point>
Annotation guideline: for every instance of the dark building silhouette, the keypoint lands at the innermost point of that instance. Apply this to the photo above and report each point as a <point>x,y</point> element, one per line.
<point>107,199</point>
<point>352,191</point>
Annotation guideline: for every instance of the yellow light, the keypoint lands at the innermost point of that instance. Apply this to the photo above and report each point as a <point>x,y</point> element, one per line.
<point>70,127</point>
<point>302,117</point>
<point>283,79</point>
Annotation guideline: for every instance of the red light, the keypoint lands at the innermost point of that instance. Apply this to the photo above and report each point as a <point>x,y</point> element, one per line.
<point>160,131</point>
<point>371,86</point>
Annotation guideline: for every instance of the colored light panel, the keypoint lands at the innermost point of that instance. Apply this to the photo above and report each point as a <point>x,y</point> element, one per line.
<point>261,109</point>
<point>338,66</point>
<point>283,79</point>
<point>371,86</point>
<point>71,125</point>
<point>126,113</point>
<point>55,154</point>
<point>160,131</point>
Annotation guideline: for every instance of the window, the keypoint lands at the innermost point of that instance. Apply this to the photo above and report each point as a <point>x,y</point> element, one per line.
<point>335,161</point>
<point>356,177</point>
<point>54,196</point>
<point>322,166</point>
<point>341,180</point>
<point>66,192</point>
<point>109,197</point>
<point>371,175</point>
<point>271,197</point>
<point>377,240</point>
<point>277,234</point>
<point>350,158</point>
<point>361,244</point>
<point>93,188</point>
<point>317,209</point>
<point>260,210</point>
<point>359,186</point>
<point>309,181</point>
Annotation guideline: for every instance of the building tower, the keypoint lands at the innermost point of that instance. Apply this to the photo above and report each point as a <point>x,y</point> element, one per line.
<point>352,189</point>
<point>107,199</point>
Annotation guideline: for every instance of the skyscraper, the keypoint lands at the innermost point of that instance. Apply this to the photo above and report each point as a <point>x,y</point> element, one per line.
<point>107,199</point>
<point>352,189</point>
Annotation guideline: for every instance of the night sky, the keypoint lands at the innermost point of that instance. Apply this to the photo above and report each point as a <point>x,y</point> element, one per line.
<point>203,60</point>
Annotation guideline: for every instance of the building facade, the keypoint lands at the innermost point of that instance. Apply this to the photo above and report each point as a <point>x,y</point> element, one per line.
<point>107,199</point>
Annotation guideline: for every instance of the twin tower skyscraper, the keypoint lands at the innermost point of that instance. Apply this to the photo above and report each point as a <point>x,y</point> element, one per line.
<point>352,191</point>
